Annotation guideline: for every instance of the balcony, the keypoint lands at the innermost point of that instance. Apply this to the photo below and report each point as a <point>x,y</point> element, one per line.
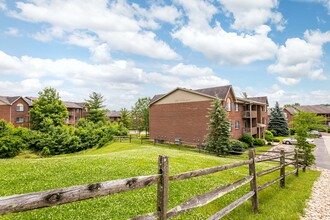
<point>250,114</point>
<point>249,131</point>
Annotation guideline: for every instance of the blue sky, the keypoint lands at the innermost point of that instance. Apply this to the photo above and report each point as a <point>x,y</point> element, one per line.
<point>131,49</point>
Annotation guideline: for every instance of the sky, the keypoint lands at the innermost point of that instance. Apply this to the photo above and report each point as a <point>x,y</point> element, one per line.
<point>127,50</point>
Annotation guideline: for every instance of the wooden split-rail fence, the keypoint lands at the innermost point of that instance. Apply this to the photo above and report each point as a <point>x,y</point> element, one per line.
<point>24,202</point>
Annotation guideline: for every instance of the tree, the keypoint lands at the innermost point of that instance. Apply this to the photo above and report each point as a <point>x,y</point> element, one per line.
<point>277,121</point>
<point>291,105</point>
<point>303,122</point>
<point>125,117</point>
<point>96,111</point>
<point>244,95</point>
<point>218,127</point>
<point>48,106</point>
<point>140,114</point>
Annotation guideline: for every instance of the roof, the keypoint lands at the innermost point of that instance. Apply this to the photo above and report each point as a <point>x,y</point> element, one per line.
<point>321,109</point>
<point>113,114</point>
<point>67,104</point>
<point>9,100</point>
<point>261,99</point>
<point>220,92</point>
<point>71,104</point>
<point>291,110</point>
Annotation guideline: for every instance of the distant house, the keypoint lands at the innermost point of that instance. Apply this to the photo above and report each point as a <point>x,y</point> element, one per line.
<point>323,110</point>
<point>183,114</point>
<point>15,109</point>
<point>113,116</point>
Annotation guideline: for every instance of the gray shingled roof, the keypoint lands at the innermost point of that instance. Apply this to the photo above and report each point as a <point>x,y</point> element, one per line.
<point>322,109</point>
<point>9,99</point>
<point>262,99</point>
<point>291,110</point>
<point>113,114</point>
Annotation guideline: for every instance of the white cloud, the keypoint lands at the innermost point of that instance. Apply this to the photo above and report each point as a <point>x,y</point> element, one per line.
<point>228,47</point>
<point>288,81</point>
<point>249,15</point>
<point>102,20</point>
<point>12,31</point>
<point>300,58</point>
<point>3,5</point>
<point>189,70</point>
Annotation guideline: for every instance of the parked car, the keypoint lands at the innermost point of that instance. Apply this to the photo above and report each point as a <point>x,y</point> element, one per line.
<point>314,133</point>
<point>294,141</point>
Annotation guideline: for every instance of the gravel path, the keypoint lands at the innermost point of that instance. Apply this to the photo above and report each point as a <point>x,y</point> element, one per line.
<point>318,207</point>
<point>319,204</point>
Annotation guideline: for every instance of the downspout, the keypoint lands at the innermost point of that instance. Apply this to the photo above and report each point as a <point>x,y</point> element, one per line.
<point>10,113</point>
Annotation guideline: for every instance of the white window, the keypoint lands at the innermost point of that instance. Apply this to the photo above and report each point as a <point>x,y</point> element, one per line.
<point>236,125</point>
<point>19,119</point>
<point>230,126</point>
<point>228,105</point>
<point>67,121</point>
<point>236,107</point>
<point>77,110</point>
<point>19,107</point>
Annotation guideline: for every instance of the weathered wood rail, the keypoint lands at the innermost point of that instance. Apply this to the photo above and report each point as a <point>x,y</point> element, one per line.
<point>24,202</point>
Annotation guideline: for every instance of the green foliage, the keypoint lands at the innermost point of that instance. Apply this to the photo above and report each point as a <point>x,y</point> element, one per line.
<point>125,119</point>
<point>269,135</point>
<point>49,107</point>
<point>276,140</point>
<point>95,105</point>
<point>140,115</point>
<point>11,143</point>
<point>303,122</point>
<point>277,122</point>
<point>259,142</point>
<point>292,131</point>
<point>237,146</point>
<point>218,129</point>
<point>248,139</point>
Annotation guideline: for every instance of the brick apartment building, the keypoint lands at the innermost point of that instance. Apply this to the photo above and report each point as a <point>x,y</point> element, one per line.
<point>322,110</point>
<point>15,109</point>
<point>183,114</point>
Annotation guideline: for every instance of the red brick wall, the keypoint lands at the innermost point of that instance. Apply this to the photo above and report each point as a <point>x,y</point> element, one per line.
<point>187,121</point>
<point>5,112</point>
<point>24,114</point>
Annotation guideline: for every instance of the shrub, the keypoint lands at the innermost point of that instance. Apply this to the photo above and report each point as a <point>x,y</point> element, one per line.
<point>269,135</point>
<point>276,140</point>
<point>247,138</point>
<point>259,142</point>
<point>274,132</point>
<point>292,131</point>
<point>236,146</point>
<point>245,145</point>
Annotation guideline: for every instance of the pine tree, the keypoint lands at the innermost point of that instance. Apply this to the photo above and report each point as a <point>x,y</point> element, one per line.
<point>277,122</point>
<point>96,111</point>
<point>218,127</point>
<point>125,118</point>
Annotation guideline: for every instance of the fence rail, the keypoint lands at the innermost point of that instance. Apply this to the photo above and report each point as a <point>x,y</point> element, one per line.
<point>24,202</point>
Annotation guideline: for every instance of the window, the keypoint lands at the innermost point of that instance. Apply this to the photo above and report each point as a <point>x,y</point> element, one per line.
<point>19,120</point>
<point>230,125</point>
<point>236,125</point>
<point>228,105</point>
<point>19,107</point>
<point>236,107</point>
<point>76,118</point>
<point>67,120</point>
<point>77,110</point>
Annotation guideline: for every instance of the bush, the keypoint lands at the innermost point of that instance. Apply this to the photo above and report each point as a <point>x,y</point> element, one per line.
<point>259,142</point>
<point>292,131</point>
<point>276,140</point>
<point>274,132</point>
<point>247,138</point>
<point>245,145</point>
<point>236,146</point>
<point>269,135</point>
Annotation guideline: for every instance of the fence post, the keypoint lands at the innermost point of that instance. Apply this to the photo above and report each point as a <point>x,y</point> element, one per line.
<point>253,183</point>
<point>162,187</point>
<point>297,161</point>
<point>305,161</point>
<point>282,171</point>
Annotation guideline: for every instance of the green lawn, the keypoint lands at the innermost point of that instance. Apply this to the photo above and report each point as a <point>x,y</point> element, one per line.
<point>123,160</point>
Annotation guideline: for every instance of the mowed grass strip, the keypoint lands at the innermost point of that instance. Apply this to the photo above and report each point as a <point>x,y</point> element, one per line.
<point>124,160</point>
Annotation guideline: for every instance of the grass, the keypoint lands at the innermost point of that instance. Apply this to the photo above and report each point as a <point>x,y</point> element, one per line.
<point>123,160</point>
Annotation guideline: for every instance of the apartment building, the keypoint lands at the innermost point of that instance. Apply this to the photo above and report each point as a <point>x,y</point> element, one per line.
<point>322,110</point>
<point>15,109</point>
<point>183,114</point>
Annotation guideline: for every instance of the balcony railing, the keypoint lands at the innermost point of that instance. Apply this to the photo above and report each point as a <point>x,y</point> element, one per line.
<point>249,131</point>
<point>250,114</point>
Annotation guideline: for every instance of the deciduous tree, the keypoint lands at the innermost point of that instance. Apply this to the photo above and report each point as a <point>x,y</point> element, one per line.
<point>140,114</point>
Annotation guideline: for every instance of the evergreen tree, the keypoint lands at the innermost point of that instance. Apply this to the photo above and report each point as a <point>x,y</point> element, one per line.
<point>277,122</point>
<point>48,107</point>
<point>219,134</point>
<point>96,111</point>
<point>303,122</point>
